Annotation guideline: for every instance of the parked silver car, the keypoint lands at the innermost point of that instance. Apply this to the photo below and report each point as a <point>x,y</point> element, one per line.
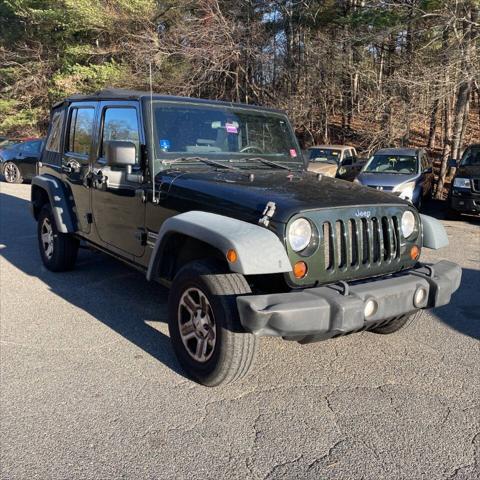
<point>406,172</point>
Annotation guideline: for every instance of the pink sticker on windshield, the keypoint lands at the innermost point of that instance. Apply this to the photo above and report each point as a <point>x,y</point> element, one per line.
<point>293,153</point>
<point>231,128</point>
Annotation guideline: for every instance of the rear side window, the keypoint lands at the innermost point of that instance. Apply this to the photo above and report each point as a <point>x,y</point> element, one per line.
<point>54,136</point>
<point>81,129</point>
<point>120,124</point>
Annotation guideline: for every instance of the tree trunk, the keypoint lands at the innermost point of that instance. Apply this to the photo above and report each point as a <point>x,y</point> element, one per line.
<point>447,146</point>
<point>433,125</point>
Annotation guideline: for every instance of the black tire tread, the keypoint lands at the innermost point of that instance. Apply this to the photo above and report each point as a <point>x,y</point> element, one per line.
<point>66,246</point>
<point>397,323</point>
<point>240,347</point>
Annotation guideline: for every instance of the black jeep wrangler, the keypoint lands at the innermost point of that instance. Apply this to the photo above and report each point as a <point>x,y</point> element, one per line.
<point>212,200</point>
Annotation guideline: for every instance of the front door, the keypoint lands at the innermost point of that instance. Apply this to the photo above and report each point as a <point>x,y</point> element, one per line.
<point>118,204</point>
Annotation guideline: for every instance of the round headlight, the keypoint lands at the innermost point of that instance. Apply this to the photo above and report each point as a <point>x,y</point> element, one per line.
<point>408,223</point>
<point>299,234</point>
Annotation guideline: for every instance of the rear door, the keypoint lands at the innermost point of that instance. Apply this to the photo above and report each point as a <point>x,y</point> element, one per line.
<point>117,194</point>
<point>79,145</point>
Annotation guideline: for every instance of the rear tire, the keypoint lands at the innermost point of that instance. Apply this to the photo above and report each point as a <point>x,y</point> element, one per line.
<point>11,173</point>
<point>397,323</point>
<point>205,330</point>
<point>58,250</point>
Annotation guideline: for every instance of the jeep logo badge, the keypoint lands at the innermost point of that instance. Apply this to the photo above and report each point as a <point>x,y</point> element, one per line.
<point>363,213</point>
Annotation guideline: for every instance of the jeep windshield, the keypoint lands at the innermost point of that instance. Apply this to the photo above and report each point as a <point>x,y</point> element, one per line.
<point>233,135</point>
<point>395,164</point>
<point>328,155</point>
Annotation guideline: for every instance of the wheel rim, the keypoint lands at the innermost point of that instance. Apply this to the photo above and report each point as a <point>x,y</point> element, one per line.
<point>46,234</point>
<point>10,172</point>
<point>196,325</point>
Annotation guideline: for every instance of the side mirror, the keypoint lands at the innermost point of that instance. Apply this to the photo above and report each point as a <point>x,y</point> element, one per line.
<point>428,170</point>
<point>120,154</point>
<point>452,163</point>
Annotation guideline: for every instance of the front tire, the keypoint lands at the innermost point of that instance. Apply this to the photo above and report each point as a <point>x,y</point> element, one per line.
<point>12,173</point>
<point>57,250</point>
<point>397,323</point>
<point>205,330</point>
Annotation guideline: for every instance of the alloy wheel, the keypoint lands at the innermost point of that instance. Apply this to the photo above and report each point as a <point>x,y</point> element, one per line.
<point>196,324</point>
<point>47,237</point>
<point>10,172</point>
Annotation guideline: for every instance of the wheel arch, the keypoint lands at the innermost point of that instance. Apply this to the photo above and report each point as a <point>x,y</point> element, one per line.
<point>48,189</point>
<point>196,235</point>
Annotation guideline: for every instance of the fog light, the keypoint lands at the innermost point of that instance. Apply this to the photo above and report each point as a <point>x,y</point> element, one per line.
<point>370,308</point>
<point>419,297</point>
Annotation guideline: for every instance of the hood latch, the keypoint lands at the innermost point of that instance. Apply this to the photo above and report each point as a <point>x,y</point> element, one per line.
<point>268,213</point>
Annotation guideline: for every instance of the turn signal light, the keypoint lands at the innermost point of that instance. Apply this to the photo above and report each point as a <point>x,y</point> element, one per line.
<point>414,253</point>
<point>232,255</point>
<point>300,269</point>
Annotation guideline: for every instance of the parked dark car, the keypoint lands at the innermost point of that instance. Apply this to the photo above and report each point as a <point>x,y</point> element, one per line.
<point>464,196</point>
<point>405,172</point>
<point>211,199</point>
<point>18,162</point>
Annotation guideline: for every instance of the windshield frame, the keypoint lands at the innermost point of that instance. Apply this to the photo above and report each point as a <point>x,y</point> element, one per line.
<point>328,160</point>
<point>370,160</point>
<point>154,158</point>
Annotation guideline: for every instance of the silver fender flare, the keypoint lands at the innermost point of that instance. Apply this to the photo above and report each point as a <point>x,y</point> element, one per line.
<point>259,251</point>
<point>434,234</point>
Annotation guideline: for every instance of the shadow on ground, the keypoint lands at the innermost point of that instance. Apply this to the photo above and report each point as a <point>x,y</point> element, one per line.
<point>113,293</point>
<point>124,301</point>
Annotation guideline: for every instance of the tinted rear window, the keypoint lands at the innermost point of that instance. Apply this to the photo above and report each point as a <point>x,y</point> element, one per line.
<point>81,130</point>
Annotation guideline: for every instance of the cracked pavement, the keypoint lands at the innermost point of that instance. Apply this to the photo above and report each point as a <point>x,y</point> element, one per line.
<point>90,388</point>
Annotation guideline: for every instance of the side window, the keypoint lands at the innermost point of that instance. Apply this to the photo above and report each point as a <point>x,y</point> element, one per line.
<point>81,129</point>
<point>28,148</point>
<point>348,159</point>
<point>120,124</point>
<point>54,136</point>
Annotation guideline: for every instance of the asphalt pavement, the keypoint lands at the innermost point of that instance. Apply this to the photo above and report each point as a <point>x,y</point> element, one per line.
<point>90,388</point>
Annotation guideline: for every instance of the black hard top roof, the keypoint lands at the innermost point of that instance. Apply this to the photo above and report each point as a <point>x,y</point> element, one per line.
<point>397,151</point>
<point>121,94</point>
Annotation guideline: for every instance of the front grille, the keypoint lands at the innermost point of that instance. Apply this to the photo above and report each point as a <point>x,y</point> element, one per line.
<point>360,242</point>
<point>476,184</point>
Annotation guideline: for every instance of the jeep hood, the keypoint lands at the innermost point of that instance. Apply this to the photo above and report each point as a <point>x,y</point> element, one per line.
<point>244,194</point>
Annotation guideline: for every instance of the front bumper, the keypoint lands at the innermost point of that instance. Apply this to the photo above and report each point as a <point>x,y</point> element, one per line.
<point>323,312</point>
<point>465,203</point>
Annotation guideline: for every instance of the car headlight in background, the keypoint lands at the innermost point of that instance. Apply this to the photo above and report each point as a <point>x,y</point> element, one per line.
<point>299,234</point>
<point>405,190</point>
<point>408,223</point>
<point>461,182</point>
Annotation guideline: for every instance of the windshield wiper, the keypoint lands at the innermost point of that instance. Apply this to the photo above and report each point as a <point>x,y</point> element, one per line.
<point>266,162</point>
<point>197,159</point>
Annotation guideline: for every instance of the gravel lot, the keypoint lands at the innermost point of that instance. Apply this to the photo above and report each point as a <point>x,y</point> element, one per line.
<point>90,388</point>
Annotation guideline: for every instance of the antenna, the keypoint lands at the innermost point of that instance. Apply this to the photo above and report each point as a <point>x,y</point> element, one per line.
<point>152,139</point>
